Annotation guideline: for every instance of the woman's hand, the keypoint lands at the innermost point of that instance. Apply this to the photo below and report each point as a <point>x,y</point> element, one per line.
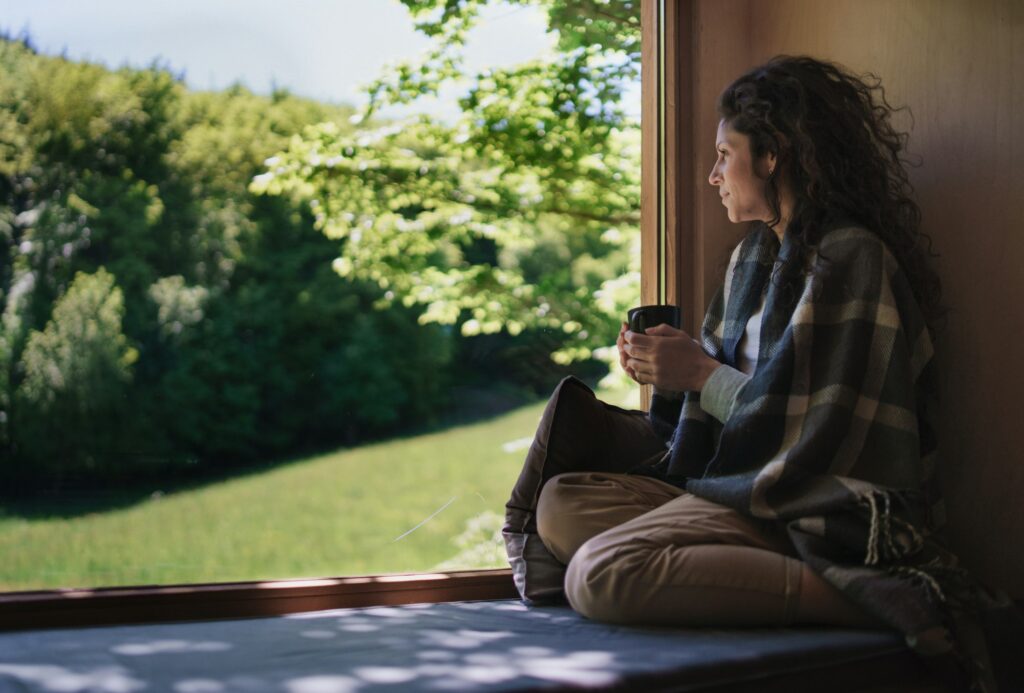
<point>667,358</point>
<point>623,356</point>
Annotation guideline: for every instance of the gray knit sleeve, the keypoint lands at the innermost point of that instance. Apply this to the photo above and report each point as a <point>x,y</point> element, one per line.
<point>719,394</point>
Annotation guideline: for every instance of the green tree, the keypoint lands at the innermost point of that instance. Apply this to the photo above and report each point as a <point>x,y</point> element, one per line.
<point>77,143</point>
<point>77,371</point>
<point>241,327</point>
<point>523,215</point>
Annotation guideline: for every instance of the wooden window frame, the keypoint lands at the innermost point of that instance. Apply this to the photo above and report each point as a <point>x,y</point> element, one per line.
<point>667,182</point>
<point>667,198</point>
<point>151,604</point>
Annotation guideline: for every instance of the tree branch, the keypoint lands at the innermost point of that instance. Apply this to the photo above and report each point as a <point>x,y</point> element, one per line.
<point>589,216</point>
<point>620,19</point>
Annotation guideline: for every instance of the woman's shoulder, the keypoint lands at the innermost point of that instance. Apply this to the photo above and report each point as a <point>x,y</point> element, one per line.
<point>848,234</point>
<point>852,243</point>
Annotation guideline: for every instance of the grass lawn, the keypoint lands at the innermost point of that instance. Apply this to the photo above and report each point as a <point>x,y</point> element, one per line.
<point>344,513</point>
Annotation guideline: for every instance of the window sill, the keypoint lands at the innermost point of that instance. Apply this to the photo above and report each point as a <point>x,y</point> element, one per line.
<point>75,608</point>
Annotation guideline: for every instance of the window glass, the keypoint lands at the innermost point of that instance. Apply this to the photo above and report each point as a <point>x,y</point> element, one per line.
<point>283,291</point>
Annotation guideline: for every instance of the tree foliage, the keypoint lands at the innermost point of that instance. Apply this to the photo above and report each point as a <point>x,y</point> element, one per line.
<point>193,280</point>
<point>522,215</point>
<point>76,371</point>
<point>243,335</point>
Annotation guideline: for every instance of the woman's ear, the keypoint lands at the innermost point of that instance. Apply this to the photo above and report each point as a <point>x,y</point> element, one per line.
<point>771,160</point>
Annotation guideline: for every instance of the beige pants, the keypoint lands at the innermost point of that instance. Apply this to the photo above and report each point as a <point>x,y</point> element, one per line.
<point>642,551</point>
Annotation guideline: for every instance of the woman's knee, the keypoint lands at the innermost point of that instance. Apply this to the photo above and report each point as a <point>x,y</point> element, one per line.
<point>632,581</point>
<point>554,506</point>
<point>596,581</point>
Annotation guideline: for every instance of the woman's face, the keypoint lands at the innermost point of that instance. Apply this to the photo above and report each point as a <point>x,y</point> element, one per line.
<point>739,178</point>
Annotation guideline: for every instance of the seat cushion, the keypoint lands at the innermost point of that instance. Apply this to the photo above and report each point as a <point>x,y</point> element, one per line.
<point>464,646</point>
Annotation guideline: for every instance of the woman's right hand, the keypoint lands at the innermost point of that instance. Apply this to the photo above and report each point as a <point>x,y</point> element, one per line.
<point>623,356</point>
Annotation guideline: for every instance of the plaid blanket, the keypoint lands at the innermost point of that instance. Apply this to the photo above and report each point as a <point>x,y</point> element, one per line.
<point>831,435</point>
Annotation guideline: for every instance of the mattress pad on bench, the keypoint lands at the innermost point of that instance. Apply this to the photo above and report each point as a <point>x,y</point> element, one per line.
<point>459,646</point>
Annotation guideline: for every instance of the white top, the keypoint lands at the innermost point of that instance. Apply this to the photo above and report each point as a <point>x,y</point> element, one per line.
<point>750,342</point>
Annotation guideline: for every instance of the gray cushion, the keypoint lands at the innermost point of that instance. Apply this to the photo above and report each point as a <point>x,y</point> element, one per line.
<point>467,646</point>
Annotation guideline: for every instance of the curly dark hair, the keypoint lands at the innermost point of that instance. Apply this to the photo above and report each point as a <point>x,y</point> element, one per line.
<point>834,142</point>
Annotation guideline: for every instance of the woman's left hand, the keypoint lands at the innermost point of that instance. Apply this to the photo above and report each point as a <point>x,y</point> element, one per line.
<point>669,359</point>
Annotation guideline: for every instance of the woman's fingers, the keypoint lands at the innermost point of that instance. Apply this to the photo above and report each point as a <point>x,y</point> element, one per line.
<point>620,342</point>
<point>637,349</point>
<point>642,369</point>
<point>653,336</point>
<point>664,330</point>
<point>663,356</point>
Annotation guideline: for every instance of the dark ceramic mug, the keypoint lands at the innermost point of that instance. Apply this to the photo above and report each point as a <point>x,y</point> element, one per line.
<point>648,316</point>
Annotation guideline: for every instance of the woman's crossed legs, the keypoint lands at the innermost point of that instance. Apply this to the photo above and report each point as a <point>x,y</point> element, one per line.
<point>642,551</point>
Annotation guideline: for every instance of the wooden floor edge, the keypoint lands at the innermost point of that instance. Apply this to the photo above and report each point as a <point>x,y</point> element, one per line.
<point>167,603</point>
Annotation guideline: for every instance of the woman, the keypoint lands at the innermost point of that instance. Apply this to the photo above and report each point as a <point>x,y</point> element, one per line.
<point>797,487</point>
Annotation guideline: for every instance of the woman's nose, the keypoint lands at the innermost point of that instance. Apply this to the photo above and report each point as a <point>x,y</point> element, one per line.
<point>715,177</point>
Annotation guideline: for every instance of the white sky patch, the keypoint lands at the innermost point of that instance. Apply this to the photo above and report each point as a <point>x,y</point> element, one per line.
<point>322,49</point>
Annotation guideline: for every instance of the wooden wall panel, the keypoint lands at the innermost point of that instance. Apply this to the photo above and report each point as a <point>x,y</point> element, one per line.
<point>721,52</point>
<point>958,66</point>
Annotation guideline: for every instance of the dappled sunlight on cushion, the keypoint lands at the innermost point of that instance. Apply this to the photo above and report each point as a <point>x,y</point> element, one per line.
<point>168,646</point>
<point>198,686</point>
<point>48,677</point>
<point>322,684</point>
<point>462,646</point>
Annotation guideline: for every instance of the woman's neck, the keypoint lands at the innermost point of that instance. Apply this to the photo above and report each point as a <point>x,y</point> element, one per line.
<point>785,213</point>
<point>780,228</point>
